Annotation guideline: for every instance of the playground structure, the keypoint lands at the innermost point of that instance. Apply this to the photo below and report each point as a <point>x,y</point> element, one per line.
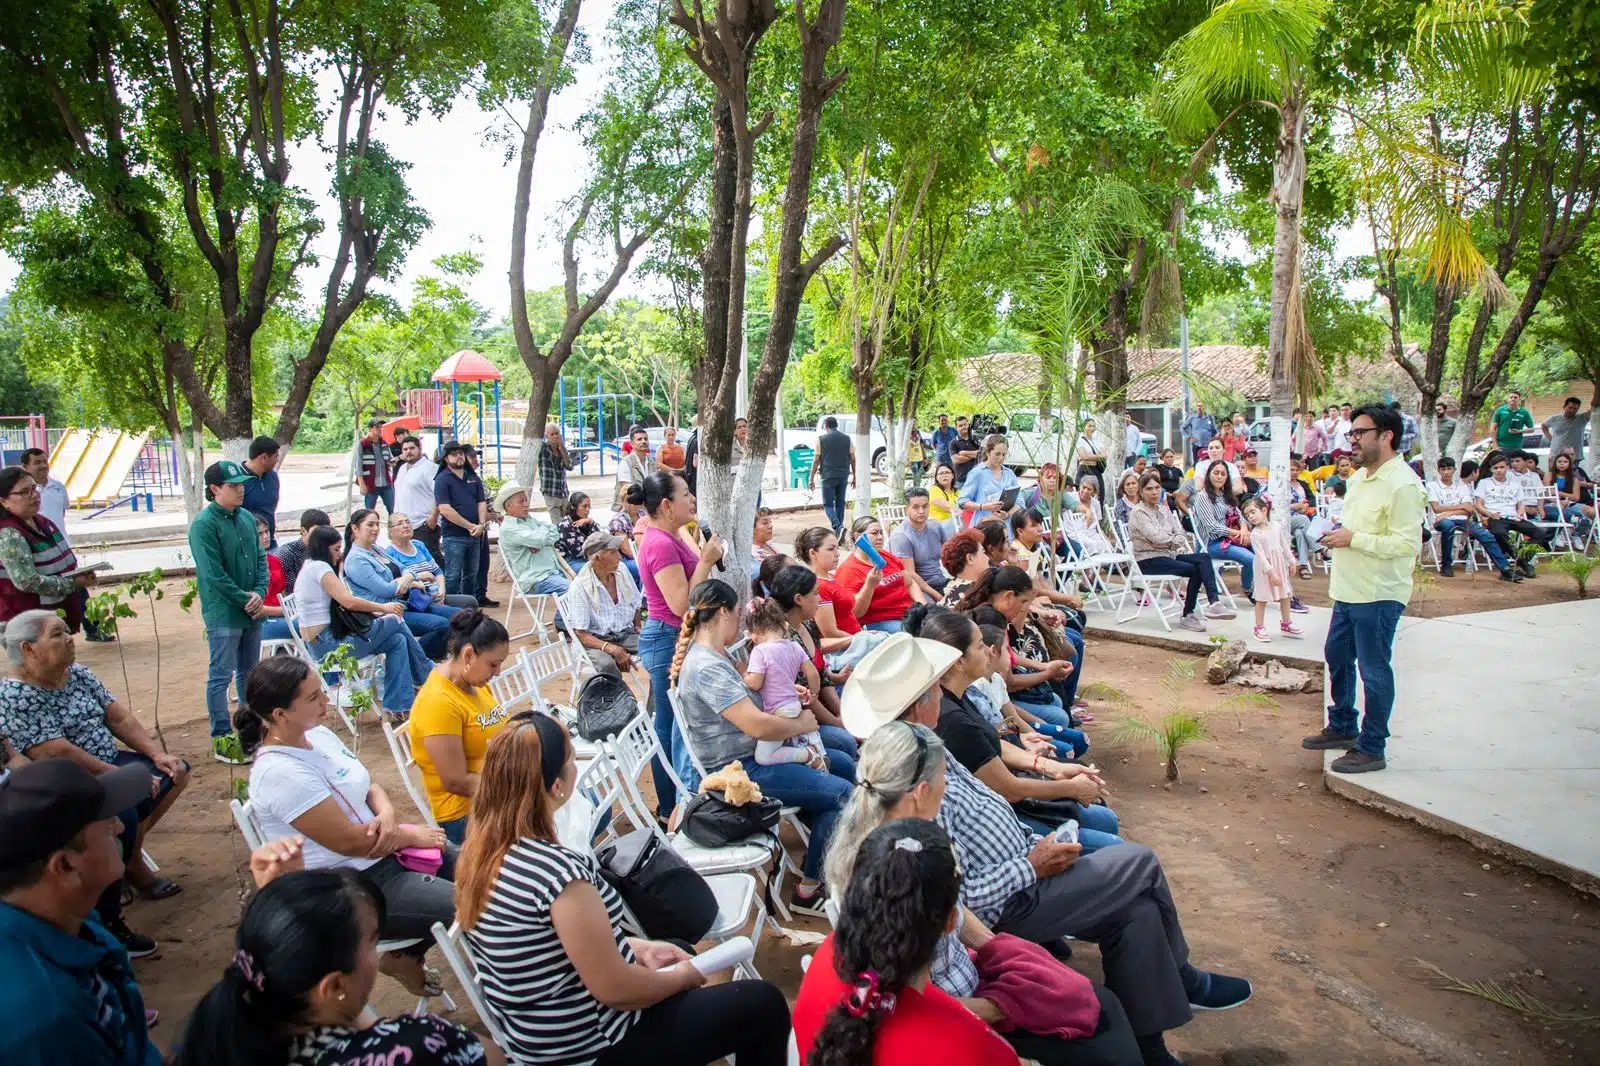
<point>105,468</point>
<point>469,421</point>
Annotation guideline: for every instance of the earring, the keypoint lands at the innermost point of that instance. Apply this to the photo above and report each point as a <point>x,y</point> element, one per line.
<point>341,997</point>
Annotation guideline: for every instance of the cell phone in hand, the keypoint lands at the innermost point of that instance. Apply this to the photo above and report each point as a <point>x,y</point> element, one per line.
<point>872,554</point>
<point>1067,833</point>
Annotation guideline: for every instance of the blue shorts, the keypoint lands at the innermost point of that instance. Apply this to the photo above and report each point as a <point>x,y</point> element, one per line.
<point>146,807</point>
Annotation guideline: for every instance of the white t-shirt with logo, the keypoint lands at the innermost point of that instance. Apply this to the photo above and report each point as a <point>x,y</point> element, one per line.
<point>1529,482</point>
<point>1455,494</point>
<point>286,782</point>
<point>413,490</point>
<point>1501,497</point>
<point>1340,436</point>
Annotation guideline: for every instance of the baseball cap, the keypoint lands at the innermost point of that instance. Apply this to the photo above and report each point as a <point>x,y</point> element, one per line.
<point>508,490</point>
<point>47,803</point>
<point>227,472</point>
<point>595,543</point>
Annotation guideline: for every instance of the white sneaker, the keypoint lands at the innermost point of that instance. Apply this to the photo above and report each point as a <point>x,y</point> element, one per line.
<point>1220,610</point>
<point>1192,622</point>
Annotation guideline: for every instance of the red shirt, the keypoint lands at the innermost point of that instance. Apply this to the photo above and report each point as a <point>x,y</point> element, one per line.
<point>844,606</point>
<point>890,600</point>
<point>924,1028</point>
<point>275,582</point>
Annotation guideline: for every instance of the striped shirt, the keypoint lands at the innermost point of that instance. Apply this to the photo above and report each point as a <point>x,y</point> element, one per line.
<point>991,844</point>
<point>529,983</point>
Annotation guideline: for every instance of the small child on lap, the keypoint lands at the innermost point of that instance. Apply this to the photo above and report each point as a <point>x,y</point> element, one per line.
<point>776,664</point>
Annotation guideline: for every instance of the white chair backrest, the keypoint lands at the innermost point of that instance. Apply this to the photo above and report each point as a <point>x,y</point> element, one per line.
<point>739,651</point>
<point>249,827</point>
<point>549,661</point>
<point>677,713</point>
<point>453,946</point>
<point>632,749</point>
<point>603,784</point>
<point>887,513</point>
<point>515,684</point>
<point>399,739</point>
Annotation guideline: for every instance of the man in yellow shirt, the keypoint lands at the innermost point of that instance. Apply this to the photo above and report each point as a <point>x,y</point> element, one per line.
<point>455,715</point>
<point>1374,552</point>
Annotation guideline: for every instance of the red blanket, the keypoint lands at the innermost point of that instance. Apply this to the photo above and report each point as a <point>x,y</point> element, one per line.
<point>1035,991</point>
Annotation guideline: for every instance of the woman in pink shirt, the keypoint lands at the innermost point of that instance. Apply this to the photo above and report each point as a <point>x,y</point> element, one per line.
<point>668,569</point>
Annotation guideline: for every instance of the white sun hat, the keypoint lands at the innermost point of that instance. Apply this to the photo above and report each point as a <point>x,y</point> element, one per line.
<point>889,679</point>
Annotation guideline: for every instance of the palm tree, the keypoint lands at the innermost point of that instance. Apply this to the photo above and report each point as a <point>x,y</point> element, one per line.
<point>1259,52</point>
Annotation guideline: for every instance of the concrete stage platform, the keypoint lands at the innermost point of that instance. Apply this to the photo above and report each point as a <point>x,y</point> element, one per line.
<point>1496,731</point>
<point>1496,735</point>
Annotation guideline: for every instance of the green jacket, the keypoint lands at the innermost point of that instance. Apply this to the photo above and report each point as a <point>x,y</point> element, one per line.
<point>229,565</point>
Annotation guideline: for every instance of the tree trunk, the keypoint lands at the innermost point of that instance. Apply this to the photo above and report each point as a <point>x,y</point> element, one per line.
<point>1594,431</point>
<point>863,446</point>
<point>1283,334</point>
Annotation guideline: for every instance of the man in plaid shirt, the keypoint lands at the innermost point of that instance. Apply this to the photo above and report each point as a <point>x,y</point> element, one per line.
<point>554,462</point>
<point>1017,882</point>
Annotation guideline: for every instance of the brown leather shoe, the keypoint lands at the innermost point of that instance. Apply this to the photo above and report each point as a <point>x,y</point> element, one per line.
<point>1327,740</point>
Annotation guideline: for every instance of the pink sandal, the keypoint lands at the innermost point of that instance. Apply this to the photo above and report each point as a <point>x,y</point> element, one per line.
<point>1291,629</point>
<point>1261,634</point>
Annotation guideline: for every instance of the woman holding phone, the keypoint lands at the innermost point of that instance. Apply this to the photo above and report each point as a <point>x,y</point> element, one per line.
<point>984,494</point>
<point>883,586</point>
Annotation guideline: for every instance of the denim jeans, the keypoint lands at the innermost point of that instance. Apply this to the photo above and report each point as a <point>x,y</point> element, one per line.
<point>657,643</point>
<point>1447,529</point>
<point>455,830</point>
<point>461,565</point>
<point>833,501</point>
<point>1362,634</point>
<point>386,494</point>
<point>1075,741</point>
<point>888,625</point>
<point>1097,828</point>
<point>551,585</point>
<point>274,629</point>
<point>405,665</point>
<point>431,628</point>
<point>842,750</point>
<point>1221,549</point>
<point>821,796</point>
<point>233,651</point>
<point>1299,526</point>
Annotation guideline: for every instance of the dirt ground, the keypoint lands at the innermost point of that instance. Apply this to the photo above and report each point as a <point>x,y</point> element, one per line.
<point>1329,908</point>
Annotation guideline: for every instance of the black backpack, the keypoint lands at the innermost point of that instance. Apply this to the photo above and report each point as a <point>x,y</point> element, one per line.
<point>605,707</point>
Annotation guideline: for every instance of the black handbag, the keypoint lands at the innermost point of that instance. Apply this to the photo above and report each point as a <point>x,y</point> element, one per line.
<point>713,822</point>
<point>1051,812</point>
<point>347,623</point>
<point>605,707</point>
<point>670,900</point>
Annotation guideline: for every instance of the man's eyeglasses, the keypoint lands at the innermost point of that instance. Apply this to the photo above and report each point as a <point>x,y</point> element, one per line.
<point>1356,433</point>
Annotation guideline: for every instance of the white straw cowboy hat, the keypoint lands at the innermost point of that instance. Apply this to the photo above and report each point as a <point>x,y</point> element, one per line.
<point>889,679</point>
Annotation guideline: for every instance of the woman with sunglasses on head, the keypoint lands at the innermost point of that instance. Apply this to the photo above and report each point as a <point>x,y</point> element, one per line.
<point>559,974</point>
<point>296,992</point>
<point>372,575</point>
<point>305,782</point>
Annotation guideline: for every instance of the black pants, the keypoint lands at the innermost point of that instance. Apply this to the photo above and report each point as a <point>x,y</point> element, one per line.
<point>1500,527</point>
<point>1113,1044</point>
<point>483,566</point>
<point>412,902</point>
<point>429,537</point>
<point>1194,566</point>
<point>749,1019</point>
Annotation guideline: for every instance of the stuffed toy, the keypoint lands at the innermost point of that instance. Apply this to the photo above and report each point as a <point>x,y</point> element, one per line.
<point>735,785</point>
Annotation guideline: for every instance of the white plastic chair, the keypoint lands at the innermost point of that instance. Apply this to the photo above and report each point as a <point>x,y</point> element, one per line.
<point>738,898</point>
<point>369,670</point>
<point>519,683</point>
<point>254,837</point>
<point>452,944</point>
<point>1139,587</point>
<point>399,738</point>
<point>534,603</point>
<point>1550,496</point>
<point>636,679</point>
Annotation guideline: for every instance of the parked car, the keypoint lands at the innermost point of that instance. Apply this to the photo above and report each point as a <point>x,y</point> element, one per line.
<point>1535,443</point>
<point>657,435</point>
<point>1032,443</point>
<point>877,441</point>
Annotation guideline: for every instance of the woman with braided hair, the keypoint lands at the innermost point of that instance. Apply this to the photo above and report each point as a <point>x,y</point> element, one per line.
<point>723,719</point>
<point>869,998</point>
<point>297,989</point>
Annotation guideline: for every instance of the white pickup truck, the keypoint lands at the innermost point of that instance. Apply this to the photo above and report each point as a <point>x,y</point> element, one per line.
<point>1031,444</point>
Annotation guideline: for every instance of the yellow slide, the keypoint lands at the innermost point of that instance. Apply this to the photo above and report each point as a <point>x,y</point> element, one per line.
<point>93,464</point>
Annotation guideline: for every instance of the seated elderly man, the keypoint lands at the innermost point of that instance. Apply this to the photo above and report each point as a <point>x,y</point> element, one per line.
<point>53,708</point>
<point>1018,882</point>
<point>603,606</point>
<point>529,544</point>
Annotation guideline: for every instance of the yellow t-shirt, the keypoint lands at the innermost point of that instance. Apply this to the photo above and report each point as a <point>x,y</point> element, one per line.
<point>941,502</point>
<point>442,709</point>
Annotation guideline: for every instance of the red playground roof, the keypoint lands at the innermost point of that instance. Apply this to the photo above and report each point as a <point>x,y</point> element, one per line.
<point>466,365</point>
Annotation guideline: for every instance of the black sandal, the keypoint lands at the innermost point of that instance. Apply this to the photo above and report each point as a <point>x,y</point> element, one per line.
<point>160,888</point>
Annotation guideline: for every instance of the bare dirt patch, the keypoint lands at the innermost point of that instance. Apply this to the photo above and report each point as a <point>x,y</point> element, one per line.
<point>1322,903</point>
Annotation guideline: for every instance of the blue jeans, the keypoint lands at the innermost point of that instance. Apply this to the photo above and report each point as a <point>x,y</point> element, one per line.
<point>1447,529</point>
<point>657,643</point>
<point>233,652</point>
<point>431,628</point>
<point>821,796</point>
<point>455,830</point>
<point>1221,549</point>
<point>461,565</point>
<point>842,750</point>
<point>405,665</point>
<point>888,625</point>
<point>633,570</point>
<point>386,494</point>
<point>1097,828</point>
<point>833,501</point>
<point>274,629</point>
<point>551,585</point>
<point>1075,741</point>
<point>1362,634</point>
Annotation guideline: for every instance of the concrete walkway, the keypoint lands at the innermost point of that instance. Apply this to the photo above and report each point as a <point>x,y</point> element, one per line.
<point>1496,735</point>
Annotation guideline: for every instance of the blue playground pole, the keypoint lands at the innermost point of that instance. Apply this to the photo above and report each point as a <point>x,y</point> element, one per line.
<point>498,449</point>
<point>580,425</point>
<point>600,425</point>
<point>561,408</point>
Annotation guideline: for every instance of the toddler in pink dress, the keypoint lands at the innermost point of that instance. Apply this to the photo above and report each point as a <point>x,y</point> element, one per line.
<point>1273,562</point>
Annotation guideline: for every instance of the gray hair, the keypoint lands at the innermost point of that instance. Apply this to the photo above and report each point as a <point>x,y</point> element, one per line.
<point>884,776</point>
<point>25,628</point>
